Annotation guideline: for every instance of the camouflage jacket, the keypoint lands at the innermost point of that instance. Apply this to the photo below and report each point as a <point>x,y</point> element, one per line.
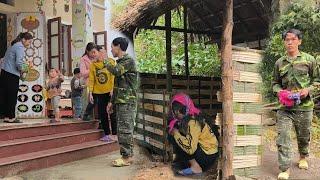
<point>296,74</point>
<point>126,80</point>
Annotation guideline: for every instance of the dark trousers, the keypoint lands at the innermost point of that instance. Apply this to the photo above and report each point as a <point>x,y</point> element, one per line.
<point>9,85</point>
<point>101,100</point>
<point>182,158</point>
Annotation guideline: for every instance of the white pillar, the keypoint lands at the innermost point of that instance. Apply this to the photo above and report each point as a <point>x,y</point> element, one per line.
<point>82,28</point>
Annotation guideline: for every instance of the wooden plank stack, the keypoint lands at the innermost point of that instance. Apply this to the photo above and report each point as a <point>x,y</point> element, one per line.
<point>247,112</point>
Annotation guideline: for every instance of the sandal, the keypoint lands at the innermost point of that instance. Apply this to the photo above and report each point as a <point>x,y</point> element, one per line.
<point>284,175</point>
<point>120,163</point>
<point>188,172</point>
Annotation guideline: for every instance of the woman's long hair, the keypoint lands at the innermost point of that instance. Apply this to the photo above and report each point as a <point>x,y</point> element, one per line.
<point>23,35</point>
<point>89,47</point>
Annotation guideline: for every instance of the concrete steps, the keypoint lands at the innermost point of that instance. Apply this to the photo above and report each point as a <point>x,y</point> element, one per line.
<point>36,146</point>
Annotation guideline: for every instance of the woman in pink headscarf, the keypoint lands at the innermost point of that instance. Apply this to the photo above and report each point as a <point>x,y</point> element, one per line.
<point>194,138</point>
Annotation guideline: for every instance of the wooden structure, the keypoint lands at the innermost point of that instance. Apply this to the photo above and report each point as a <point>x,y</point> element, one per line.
<point>226,23</point>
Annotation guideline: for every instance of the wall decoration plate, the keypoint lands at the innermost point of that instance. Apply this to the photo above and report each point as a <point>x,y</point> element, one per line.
<point>37,108</point>
<point>37,61</point>
<point>30,23</point>
<point>37,88</point>
<point>37,43</point>
<point>22,108</point>
<point>30,52</point>
<point>37,98</point>
<point>32,75</point>
<point>23,98</point>
<point>23,88</point>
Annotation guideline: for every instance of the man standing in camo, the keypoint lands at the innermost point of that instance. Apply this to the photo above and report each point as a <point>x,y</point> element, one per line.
<point>295,80</point>
<point>124,98</point>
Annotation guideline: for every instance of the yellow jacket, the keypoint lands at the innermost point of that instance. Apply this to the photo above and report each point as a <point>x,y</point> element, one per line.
<point>101,81</point>
<point>204,137</point>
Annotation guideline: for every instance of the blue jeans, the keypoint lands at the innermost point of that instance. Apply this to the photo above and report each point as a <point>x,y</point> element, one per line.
<point>77,106</point>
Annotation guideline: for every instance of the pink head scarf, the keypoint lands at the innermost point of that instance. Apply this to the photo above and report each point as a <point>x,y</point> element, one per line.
<point>190,108</point>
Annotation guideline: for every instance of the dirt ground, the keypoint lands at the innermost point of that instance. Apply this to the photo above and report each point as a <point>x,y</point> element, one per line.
<point>270,159</point>
<point>99,168</point>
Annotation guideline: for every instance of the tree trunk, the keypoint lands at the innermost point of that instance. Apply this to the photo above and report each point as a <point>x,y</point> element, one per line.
<point>227,91</point>
<point>168,50</point>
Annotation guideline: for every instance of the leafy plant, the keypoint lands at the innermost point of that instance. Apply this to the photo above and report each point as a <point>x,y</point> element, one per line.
<point>151,52</point>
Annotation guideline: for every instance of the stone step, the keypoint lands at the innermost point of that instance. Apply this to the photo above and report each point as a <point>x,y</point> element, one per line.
<point>42,129</point>
<point>10,166</point>
<point>40,143</point>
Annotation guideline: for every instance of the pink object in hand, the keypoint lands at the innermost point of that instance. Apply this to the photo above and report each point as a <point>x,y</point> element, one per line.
<point>171,124</point>
<point>284,99</point>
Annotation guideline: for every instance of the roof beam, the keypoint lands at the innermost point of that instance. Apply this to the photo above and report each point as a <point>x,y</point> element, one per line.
<point>162,28</point>
<point>199,15</point>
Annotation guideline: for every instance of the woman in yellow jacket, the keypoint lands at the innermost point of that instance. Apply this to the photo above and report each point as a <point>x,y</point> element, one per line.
<point>194,138</point>
<point>100,84</point>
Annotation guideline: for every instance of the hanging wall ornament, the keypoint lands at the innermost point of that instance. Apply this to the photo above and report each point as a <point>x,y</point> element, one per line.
<point>30,23</point>
<point>66,5</point>
<point>39,4</point>
<point>54,8</point>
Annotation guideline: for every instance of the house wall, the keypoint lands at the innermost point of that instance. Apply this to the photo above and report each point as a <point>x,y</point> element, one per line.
<point>66,17</point>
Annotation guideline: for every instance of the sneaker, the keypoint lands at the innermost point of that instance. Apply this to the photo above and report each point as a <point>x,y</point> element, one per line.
<point>106,138</point>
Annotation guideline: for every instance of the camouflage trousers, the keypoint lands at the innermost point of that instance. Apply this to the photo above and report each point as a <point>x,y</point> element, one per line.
<point>301,122</point>
<point>126,114</point>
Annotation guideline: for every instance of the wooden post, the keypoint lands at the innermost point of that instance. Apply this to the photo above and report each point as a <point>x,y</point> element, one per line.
<point>168,50</point>
<point>186,56</point>
<point>227,89</point>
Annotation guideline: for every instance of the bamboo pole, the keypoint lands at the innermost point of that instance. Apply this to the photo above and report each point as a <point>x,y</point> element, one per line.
<point>227,89</point>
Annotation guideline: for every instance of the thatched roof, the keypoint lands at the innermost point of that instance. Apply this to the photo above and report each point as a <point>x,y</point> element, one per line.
<point>251,17</point>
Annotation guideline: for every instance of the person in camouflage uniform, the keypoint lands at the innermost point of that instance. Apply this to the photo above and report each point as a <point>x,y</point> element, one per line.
<point>298,74</point>
<point>124,98</point>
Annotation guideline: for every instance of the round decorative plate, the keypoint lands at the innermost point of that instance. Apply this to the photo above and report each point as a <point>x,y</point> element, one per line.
<point>37,108</point>
<point>37,98</point>
<point>37,61</point>
<point>23,88</point>
<point>29,52</point>
<point>23,98</point>
<point>37,43</point>
<point>23,108</point>
<point>37,88</point>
